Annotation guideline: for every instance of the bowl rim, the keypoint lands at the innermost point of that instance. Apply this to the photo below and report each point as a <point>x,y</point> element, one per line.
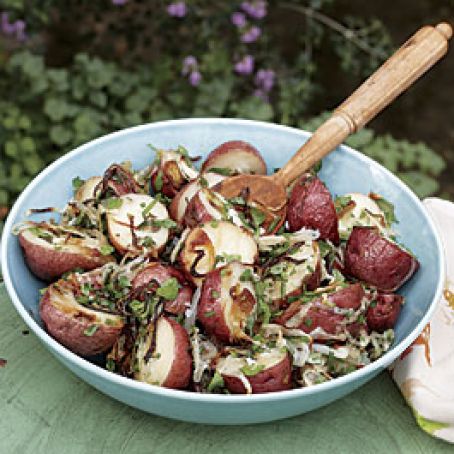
<point>65,354</point>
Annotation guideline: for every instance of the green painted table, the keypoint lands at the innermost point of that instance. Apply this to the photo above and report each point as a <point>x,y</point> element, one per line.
<point>46,409</point>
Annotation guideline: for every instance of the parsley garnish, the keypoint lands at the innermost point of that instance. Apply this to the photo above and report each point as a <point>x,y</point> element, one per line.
<point>216,382</point>
<point>106,249</point>
<point>209,314</point>
<point>387,208</point>
<point>257,216</point>
<point>221,171</point>
<point>113,203</point>
<point>252,369</point>
<point>77,183</point>
<point>91,330</point>
<point>341,202</point>
<point>168,289</point>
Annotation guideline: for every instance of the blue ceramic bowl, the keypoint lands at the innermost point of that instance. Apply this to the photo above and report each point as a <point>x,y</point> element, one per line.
<point>344,170</point>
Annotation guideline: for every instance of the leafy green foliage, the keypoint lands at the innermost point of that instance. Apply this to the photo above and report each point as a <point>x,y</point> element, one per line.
<point>415,163</point>
<point>46,111</point>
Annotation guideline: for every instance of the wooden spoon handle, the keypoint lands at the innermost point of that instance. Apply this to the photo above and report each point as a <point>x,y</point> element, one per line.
<point>408,63</point>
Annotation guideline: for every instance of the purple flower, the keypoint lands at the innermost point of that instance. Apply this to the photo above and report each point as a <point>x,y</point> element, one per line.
<point>13,28</point>
<point>189,65</point>
<point>119,2</point>
<point>264,79</point>
<point>238,19</point>
<point>261,94</point>
<point>251,35</point>
<point>177,9</point>
<point>194,78</point>
<point>245,66</point>
<point>255,9</point>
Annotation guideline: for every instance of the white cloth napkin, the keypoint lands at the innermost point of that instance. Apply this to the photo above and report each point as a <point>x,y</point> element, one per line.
<point>425,372</point>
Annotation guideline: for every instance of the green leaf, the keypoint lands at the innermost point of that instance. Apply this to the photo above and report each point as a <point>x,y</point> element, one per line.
<point>257,216</point>
<point>252,369</point>
<point>106,249</point>
<point>91,330</point>
<point>387,208</point>
<point>59,135</point>
<point>77,182</point>
<point>168,289</point>
<point>113,203</point>
<point>253,108</point>
<point>216,382</point>
<point>423,185</point>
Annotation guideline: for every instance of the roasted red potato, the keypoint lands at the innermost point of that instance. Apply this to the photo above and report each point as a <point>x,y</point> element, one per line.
<point>205,206</point>
<point>180,202</point>
<point>213,245</point>
<point>51,250</point>
<point>269,371</point>
<point>83,330</point>
<point>226,303</point>
<point>311,206</point>
<point>382,313</point>
<point>317,314</point>
<point>237,157</point>
<point>118,181</point>
<point>293,271</point>
<point>89,190</point>
<point>377,261</point>
<point>155,274</point>
<point>163,357</point>
<point>137,224</point>
<point>171,172</point>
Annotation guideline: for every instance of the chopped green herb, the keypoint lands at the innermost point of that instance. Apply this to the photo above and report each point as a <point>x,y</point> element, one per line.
<point>149,207</point>
<point>113,203</point>
<point>214,224</point>
<point>164,223</point>
<point>203,182</point>
<point>40,233</point>
<point>158,181</point>
<point>258,216</point>
<point>123,282</point>
<point>77,183</point>
<point>110,364</point>
<point>216,382</point>
<point>252,369</point>
<point>42,291</point>
<point>324,247</point>
<point>373,303</point>
<point>148,242</point>
<point>341,202</point>
<point>246,275</point>
<point>168,289</point>
<point>91,330</point>
<point>274,224</point>
<point>221,171</point>
<point>308,322</point>
<point>387,208</point>
<point>209,314</point>
<point>228,258</point>
<point>106,249</point>
<point>215,294</point>
<point>237,201</point>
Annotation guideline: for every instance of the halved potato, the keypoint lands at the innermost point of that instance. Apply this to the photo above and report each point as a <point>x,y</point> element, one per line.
<point>361,211</point>
<point>155,274</point>
<point>89,190</point>
<point>268,371</point>
<point>163,357</point>
<point>177,207</point>
<point>300,268</point>
<point>311,206</point>
<point>327,311</point>
<point>213,245</point>
<point>383,315</point>
<point>236,156</point>
<point>171,173</point>
<point>52,250</point>
<point>378,261</point>
<point>83,330</point>
<point>138,225</point>
<point>226,303</point>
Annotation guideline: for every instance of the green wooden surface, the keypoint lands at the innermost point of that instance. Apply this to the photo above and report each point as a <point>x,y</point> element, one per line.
<point>44,408</point>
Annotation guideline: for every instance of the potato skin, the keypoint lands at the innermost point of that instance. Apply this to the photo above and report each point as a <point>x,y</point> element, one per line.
<point>384,315</point>
<point>238,147</point>
<point>67,326</point>
<point>320,316</point>
<point>180,373</point>
<point>49,264</point>
<point>377,261</point>
<point>213,324</point>
<point>196,213</point>
<point>310,205</point>
<point>156,272</point>
<point>272,379</point>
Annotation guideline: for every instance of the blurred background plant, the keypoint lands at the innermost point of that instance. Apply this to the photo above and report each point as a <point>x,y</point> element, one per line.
<point>75,70</point>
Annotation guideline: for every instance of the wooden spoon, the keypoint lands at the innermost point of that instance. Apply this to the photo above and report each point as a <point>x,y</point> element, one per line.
<point>412,60</point>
